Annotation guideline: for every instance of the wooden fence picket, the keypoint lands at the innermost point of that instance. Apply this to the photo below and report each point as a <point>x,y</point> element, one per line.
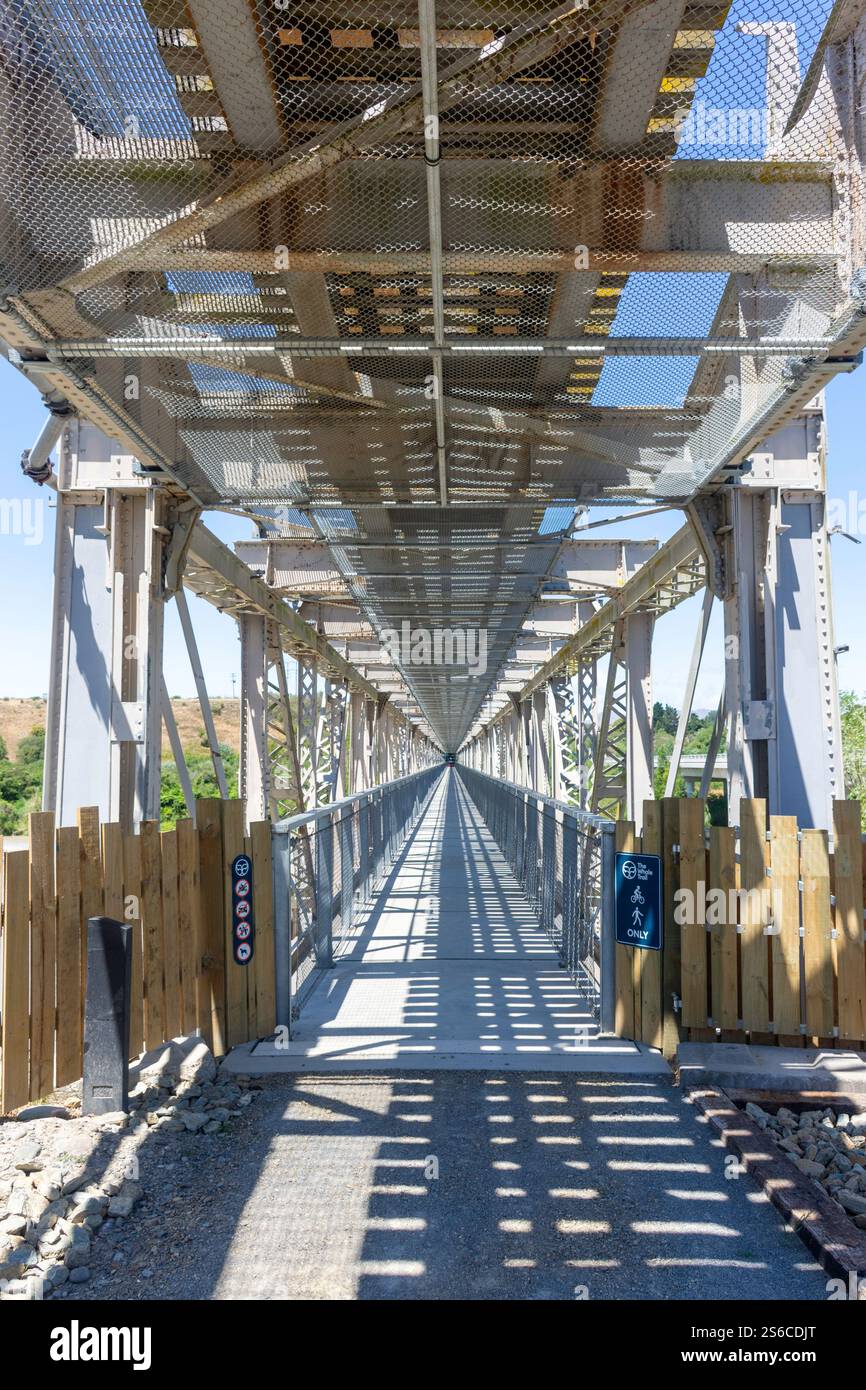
<point>848,919</point>
<point>170,932</point>
<point>189,922</point>
<point>722,879</point>
<point>69,980</point>
<point>211,993</point>
<point>785,940</point>
<point>754,889</point>
<point>132,915</point>
<point>692,881</point>
<point>817,926</point>
<point>43,953</point>
<point>15,1056</point>
<point>92,900</point>
<point>263,910</point>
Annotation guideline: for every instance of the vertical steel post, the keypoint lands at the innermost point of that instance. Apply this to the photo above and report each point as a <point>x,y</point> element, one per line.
<point>324,892</point>
<point>254,760</point>
<point>607,945</point>
<point>282,874</point>
<point>364,849</point>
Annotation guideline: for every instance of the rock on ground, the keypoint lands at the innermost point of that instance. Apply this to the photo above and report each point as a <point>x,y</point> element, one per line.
<point>70,1184</point>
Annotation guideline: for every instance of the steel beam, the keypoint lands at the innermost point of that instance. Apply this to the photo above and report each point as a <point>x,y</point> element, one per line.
<point>689,693</point>
<point>781,692</point>
<point>104,718</point>
<point>190,346</point>
<point>256,785</point>
<point>601,260</point>
<point>238,588</point>
<point>525,46</point>
<point>177,751</point>
<point>201,690</point>
<point>610,776</point>
<point>674,573</point>
<point>639,732</point>
<point>429,82</point>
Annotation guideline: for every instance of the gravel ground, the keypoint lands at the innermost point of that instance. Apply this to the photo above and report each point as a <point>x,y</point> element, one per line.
<point>450,1185</point>
<point>71,1183</point>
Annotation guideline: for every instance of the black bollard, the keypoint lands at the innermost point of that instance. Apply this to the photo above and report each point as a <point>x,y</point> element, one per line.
<point>106,1017</point>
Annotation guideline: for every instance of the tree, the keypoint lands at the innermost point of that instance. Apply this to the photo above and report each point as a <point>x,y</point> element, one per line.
<point>31,749</point>
<point>202,777</point>
<point>853,728</point>
<point>665,717</point>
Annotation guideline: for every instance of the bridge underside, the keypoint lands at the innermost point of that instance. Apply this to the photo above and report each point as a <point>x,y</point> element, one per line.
<point>412,287</point>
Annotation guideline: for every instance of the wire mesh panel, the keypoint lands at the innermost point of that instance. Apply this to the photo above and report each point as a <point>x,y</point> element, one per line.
<point>555,852</point>
<point>350,845</point>
<point>420,278</point>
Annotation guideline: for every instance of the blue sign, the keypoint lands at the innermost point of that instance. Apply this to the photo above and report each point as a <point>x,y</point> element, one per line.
<point>639,901</point>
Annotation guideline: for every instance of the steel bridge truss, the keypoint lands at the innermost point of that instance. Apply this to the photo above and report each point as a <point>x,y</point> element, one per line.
<point>412,291</point>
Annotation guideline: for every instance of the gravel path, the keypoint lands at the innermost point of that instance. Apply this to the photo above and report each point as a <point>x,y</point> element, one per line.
<point>451,1185</point>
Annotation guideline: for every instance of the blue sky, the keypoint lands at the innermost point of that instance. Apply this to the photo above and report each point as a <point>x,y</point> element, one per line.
<point>26,568</point>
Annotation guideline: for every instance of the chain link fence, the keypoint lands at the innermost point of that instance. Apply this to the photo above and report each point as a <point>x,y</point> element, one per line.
<point>562,858</point>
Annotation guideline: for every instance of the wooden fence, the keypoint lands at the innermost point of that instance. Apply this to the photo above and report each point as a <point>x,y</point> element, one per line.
<point>763,931</point>
<point>173,887</point>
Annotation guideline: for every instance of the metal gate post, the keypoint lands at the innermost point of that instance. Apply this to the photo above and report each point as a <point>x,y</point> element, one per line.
<point>364,820</point>
<point>347,872</point>
<point>282,873</point>
<point>324,891</point>
<point>607,944</point>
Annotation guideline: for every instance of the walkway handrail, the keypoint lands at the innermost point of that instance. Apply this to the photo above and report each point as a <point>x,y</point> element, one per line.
<point>327,862</point>
<point>290,823</point>
<point>563,858</point>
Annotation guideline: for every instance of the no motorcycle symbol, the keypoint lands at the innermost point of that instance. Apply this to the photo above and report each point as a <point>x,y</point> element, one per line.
<point>243,928</point>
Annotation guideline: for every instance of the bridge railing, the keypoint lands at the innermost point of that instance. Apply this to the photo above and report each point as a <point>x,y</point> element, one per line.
<point>563,858</point>
<point>328,864</point>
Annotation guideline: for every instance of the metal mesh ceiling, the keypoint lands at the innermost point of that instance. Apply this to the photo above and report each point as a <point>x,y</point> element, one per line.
<point>444,255</point>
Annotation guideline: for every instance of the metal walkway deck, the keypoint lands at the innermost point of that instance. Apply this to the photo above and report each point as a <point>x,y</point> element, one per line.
<point>449,968</point>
